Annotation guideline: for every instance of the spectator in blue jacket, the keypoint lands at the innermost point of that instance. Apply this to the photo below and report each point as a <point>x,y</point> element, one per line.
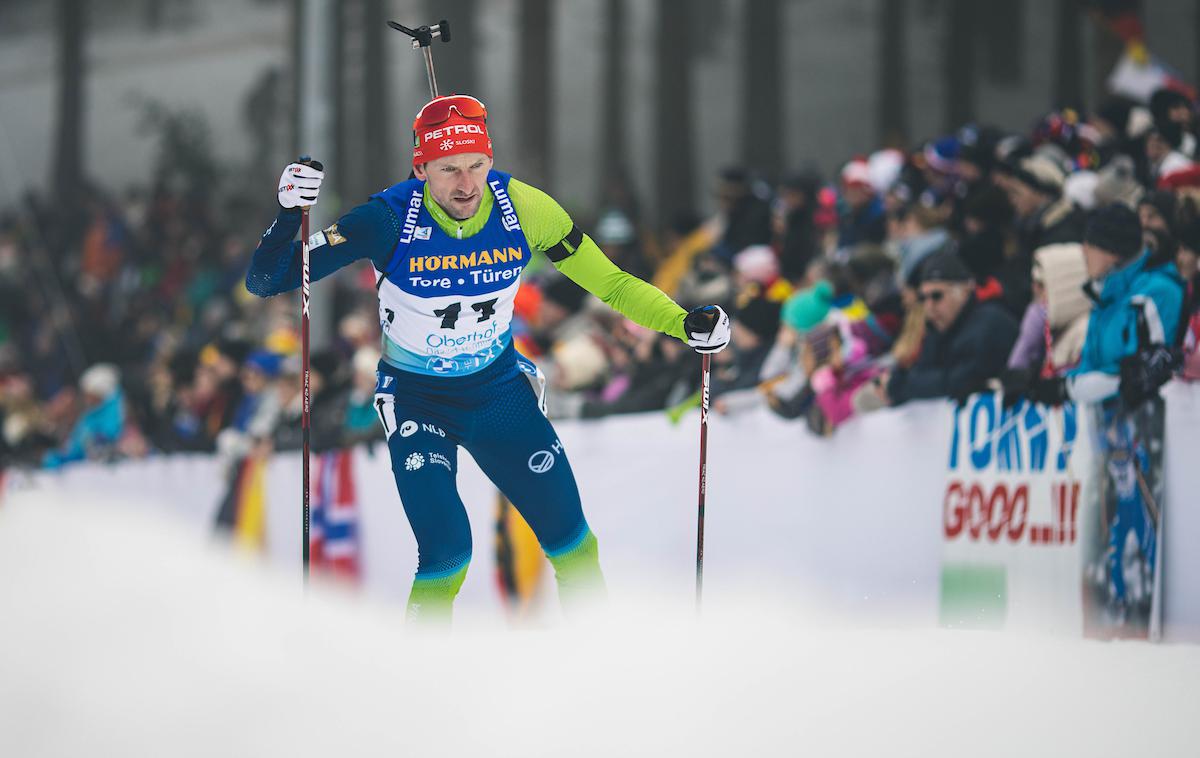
<point>97,432</point>
<point>860,216</point>
<point>1136,306</point>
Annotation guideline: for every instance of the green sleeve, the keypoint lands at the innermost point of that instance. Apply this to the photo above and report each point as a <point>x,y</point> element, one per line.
<point>545,224</point>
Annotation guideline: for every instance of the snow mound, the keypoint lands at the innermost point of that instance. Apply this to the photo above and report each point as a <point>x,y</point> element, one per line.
<point>122,634</point>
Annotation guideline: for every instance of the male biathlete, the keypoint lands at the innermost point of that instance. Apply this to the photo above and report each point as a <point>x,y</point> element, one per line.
<point>448,248</point>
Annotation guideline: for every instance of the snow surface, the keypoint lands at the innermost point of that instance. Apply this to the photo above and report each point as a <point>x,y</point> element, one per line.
<point>122,634</point>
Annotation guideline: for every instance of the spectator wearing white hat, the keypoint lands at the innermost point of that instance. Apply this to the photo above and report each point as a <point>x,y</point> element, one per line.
<point>860,214</point>
<point>99,429</point>
<point>1056,320</point>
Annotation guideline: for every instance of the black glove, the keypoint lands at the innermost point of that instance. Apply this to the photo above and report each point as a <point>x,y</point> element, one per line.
<point>963,394</point>
<point>707,329</point>
<point>1015,384</point>
<point>792,407</point>
<point>1052,391</point>
<point>1142,374</point>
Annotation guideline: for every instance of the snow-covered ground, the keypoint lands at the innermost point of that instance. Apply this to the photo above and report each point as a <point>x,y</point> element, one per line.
<point>125,634</point>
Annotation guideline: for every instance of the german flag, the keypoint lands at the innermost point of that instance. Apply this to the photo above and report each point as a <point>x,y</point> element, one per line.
<point>243,511</point>
<point>520,562</point>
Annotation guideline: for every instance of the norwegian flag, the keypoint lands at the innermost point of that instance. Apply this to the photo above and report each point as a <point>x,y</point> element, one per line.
<point>333,529</point>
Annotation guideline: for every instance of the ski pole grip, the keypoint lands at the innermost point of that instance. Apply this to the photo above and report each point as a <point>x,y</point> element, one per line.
<point>700,320</point>
<point>306,160</point>
<point>442,30</point>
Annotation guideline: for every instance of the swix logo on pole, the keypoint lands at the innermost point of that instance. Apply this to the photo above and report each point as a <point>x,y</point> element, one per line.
<point>304,284</point>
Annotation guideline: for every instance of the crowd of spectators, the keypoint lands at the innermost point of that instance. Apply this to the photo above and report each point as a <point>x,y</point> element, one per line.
<point>126,330</point>
<point>979,260</point>
<point>975,260</point>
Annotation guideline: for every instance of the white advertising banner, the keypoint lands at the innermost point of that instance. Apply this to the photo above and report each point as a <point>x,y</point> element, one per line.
<point>860,523</point>
<point>1011,516</point>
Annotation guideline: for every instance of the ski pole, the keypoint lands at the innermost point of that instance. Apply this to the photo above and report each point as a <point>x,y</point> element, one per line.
<point>422,38</point>
<point>705,365</point>
<point>306,410</point>
<point>306,406</point>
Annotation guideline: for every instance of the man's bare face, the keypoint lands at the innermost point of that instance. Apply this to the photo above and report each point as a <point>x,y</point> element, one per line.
<point>1098,261</point>
<point>1156,148</point>
<point>857,196</point>
<point>457,182</point>
<point>1151,218</point>
<point>1025,201</point>
<point>943,302</point>
<point>1186,261</point>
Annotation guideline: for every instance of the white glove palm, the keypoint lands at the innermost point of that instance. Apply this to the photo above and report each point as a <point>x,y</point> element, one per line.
<point>707,329</point>
<point>299,185</point>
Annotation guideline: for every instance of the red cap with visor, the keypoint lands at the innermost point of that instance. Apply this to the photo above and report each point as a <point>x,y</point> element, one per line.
<point>450,125</point>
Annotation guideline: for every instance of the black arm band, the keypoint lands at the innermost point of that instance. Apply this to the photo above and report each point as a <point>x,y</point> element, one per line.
<point>560,251</point>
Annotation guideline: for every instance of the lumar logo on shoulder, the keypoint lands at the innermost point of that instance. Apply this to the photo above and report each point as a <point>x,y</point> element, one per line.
<point>410,216</point>
<point>508,214</point>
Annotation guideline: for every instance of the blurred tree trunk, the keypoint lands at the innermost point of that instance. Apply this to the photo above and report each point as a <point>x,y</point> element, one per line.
<point>1004,41</point>
<point>893,73</point>
<point>1106,51</point>
<point>67,180</point>
<point>153,14</point>
<point>457,62</point>
<point>317,70</point>
<point>375,113</point>
<point>762,109</point>
<point>613,145</point>
<point>360,160</point>
<point>296,56</point>
<point>959,62</point>
<point>534,127</point>
<point>341,163</point>
<point>674,173</point>
<point>710,26</point>
<point>1068,55</point>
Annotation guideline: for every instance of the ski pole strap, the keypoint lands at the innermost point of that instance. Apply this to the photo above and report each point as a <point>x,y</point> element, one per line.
<point>561,251</point>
